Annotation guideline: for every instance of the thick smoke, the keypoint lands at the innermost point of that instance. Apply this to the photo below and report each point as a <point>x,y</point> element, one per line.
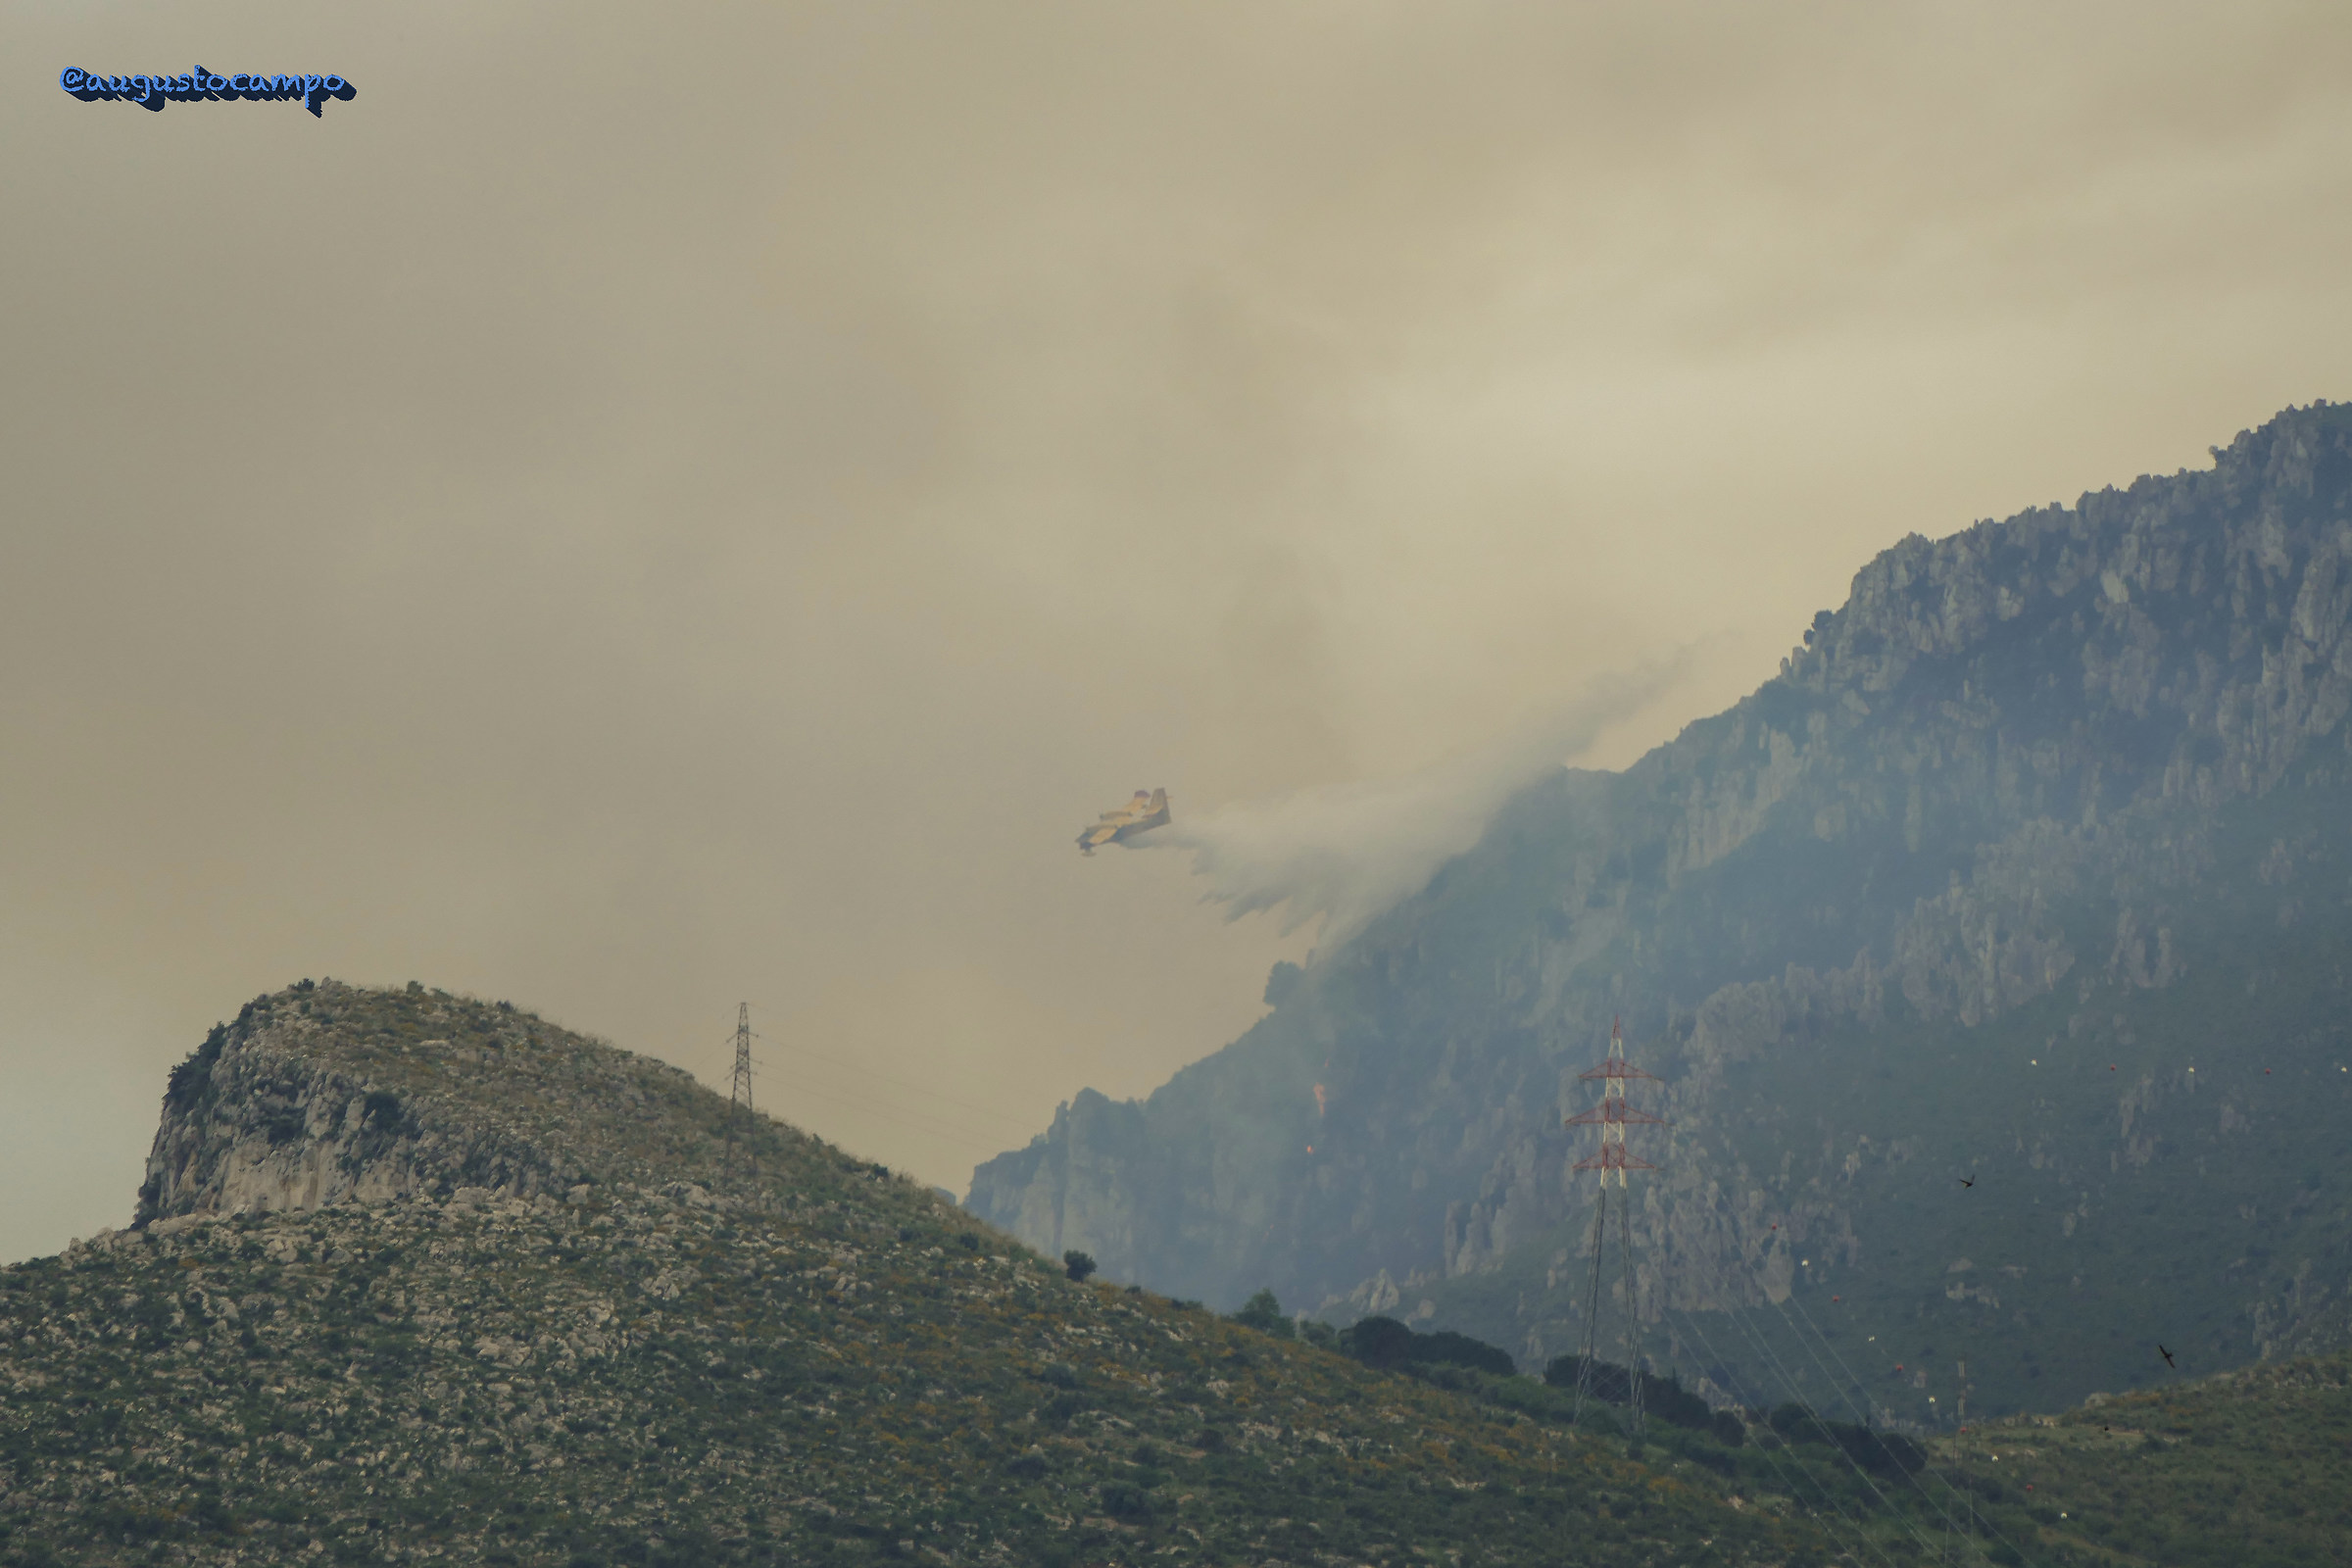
<point>1347,852</point>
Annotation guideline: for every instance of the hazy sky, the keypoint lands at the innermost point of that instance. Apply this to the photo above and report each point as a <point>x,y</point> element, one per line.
<point>651,507</point>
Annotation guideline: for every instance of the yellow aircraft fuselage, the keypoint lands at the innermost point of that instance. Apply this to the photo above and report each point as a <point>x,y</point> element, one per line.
<point>1117,827</point>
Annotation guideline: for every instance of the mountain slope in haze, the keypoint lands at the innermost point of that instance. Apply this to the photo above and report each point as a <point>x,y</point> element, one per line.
<point>415,1278</point>
<point>2030,866</point>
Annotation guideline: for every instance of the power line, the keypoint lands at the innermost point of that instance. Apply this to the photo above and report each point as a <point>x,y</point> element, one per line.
<point>1862,1413</point>
<point>1006,1118</point>
<point>749,1068</point>
<point>1860,1534</point>
<point>1771,1362</point>
<point>913,1121</point>
<point>1865,1421</point>
<point>1790,1386</point>
<point>1966,1497</point>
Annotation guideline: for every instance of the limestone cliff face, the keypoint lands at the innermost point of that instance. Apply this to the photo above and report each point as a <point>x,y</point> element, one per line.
<point>1071,1188</point>
<point>2028,782</point>
<point>251,1127</point>
<point>327,1094</point>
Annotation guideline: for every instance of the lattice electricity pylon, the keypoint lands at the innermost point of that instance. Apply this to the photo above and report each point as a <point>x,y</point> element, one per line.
<point>1612,1116</point>
<point>739,1092</point>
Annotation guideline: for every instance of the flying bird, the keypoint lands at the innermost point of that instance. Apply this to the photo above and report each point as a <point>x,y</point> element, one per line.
<point>2166,1355</point>
<point>1968,1180</point>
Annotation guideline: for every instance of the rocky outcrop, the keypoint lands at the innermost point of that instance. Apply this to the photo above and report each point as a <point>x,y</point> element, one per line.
<point>1072,1189</point>
<point>260,1130</point>
<point>275,1112</point>
<point>2024,775</point>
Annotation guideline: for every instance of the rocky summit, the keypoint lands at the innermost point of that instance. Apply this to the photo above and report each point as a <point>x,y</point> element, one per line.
<point>413,1278</point>
<point>1991,956</point>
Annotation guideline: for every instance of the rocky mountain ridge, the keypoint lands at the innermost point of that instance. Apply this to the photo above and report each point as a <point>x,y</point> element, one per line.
<point>269,1115</point>
<point>2066,787</point>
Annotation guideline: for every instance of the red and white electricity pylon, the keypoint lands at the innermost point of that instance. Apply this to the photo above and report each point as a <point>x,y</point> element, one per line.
<point>1612,1116</point>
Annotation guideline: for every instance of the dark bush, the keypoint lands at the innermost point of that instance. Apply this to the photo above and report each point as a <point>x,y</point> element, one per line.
<point>1077,1264</point>
<point>1460,1349</point>
<point>1383,1342</point>
<point>1884,1454</point>
<point>1662,1398</point>
<point>188,1080</point>
<point>1707,1454</point>
<point>1263,1314</point>
<point>1608,1382</point>
<point>1123,1499</point>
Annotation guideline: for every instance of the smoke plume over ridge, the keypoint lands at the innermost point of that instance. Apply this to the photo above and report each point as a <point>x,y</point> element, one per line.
<point>1346,853</point>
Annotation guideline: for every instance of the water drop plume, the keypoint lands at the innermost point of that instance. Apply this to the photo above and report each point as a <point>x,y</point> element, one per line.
<point>1345,853</point>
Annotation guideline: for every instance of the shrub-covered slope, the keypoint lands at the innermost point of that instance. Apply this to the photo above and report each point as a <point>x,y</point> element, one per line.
<point>424,1279</point>
<point>2251,1469</point>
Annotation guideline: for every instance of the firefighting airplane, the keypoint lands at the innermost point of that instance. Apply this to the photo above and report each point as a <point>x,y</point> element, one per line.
<point>1117,827</point>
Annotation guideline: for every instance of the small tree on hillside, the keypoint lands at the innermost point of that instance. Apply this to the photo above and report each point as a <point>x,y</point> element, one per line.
<point>1263,1314</point>
<point>1077,1264</point>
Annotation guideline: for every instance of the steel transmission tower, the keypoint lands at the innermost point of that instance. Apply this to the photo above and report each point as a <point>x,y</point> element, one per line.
<point>738,1094</point>
<point>1612,1116</point>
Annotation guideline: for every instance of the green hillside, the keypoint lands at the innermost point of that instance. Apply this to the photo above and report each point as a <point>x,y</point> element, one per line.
<point>548,1315</point>
<point>2251,1469</point>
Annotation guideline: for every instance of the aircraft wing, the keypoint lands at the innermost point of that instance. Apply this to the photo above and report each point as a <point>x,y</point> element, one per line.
<point>1146,814</point>
<point>1144,811</point>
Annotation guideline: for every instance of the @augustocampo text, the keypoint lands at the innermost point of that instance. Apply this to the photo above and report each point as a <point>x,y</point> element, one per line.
<point>152,91</point>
